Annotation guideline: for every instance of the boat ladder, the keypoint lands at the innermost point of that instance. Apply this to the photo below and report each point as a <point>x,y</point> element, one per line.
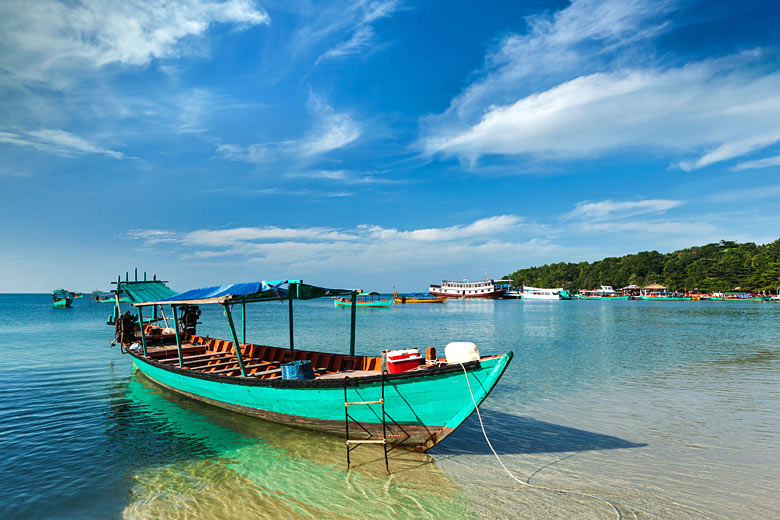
<point>372,438</point>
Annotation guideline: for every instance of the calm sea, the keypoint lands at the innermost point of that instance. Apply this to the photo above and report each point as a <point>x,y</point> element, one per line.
<point>666,410</point>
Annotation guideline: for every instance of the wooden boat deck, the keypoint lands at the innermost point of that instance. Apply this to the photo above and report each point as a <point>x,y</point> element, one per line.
<point>217,356</point>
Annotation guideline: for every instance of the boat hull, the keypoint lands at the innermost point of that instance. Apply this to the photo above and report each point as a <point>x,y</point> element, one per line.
<point>348,303</point>
<point>60,304</point>
<point>603,297</point>
<point>428,407</point>
<point>420,300</point>
<point>494,295</point>
<point>720,299</point>
<point>664,298</point>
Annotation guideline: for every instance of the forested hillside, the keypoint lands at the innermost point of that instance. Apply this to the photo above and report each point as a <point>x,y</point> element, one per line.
<point>714,267</point>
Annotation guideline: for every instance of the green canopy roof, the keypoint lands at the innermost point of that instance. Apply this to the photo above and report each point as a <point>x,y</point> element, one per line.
<point>140,292</point>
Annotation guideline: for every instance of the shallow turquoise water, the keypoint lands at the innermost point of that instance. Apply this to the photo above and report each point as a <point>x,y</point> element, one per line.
<point>666,409</point>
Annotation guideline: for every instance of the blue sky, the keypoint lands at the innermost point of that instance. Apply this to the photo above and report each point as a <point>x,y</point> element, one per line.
<point>381,143</point>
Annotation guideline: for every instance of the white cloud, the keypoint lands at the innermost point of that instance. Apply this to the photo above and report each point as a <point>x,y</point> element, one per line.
<point>586,35</point>
<point>609,209</point>
<point>351,24</point>
<point>57,142</point>
<point>710,104</point>
<point>755,193</point>
<point>759,163</point>
<point>45,40</point>
<point>254,153</point>
<point>332,129</point>
<point>367,246</point>
<point>582,83</point>
<point>344,176</point>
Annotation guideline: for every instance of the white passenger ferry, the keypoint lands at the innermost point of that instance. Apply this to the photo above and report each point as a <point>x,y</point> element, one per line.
<point>491,289</point>
<point>535,293</point>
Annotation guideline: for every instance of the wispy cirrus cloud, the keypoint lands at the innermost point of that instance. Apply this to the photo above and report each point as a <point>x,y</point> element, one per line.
<point>331,130</point>
<point>611,209</point>
<point>758,163</point>
<point>344,176</point>
<point>342,28</point>
<point>602,91</point>
<point>57,142</point>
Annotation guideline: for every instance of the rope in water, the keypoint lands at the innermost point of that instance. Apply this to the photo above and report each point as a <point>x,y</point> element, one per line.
<point>564,491</point>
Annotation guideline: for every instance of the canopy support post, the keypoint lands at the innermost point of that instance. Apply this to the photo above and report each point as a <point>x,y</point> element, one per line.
<point>236,346</point>
<point>352,325</point>
<point>178,338</point>
<point>292,339</point>
<point>243,323</point>
<point>141,324</point>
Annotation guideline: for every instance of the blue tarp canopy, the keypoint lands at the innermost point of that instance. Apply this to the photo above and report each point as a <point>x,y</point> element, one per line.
<point>251,292</point>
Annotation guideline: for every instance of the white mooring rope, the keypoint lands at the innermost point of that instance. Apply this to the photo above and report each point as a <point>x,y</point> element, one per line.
<point>617,511</point>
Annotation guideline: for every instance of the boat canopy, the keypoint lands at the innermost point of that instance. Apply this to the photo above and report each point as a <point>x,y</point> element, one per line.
<point>249,292</point>
<point>139,292</point>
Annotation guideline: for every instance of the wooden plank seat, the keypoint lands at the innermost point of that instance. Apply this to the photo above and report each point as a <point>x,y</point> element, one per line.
<point>246,367</point>
<point>188,361</point>
<point>188,358</point>
<point>233,361</point>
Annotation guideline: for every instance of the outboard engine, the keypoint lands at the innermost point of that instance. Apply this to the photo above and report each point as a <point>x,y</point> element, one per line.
<point>189,318</point>
<point>125,328</point>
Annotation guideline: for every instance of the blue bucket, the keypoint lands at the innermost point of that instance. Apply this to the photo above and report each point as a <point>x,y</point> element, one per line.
<point>301,369</point>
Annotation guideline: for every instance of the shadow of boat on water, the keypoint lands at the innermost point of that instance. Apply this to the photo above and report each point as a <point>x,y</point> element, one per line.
<point>518,434</point>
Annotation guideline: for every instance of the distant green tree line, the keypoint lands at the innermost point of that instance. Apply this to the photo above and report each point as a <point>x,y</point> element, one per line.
<point>716,267</point>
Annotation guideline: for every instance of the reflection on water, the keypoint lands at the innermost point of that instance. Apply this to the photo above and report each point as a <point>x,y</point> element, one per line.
<point>242,466</point>
<point>667,409</point>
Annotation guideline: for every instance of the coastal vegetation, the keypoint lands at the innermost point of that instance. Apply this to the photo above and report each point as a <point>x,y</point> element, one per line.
<point>723,266</point>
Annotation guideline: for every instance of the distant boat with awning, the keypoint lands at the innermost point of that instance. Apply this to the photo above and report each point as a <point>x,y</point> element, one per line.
<point>738,296</point>
<point>604,292</point>
<point>417,403</point>
<point>418,298</point>
<point>364,299</point>
<point>61,298</point>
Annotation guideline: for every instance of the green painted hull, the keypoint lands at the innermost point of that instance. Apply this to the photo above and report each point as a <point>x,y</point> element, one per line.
<point>719,299</point>
<point>123,299</point>
<point>661,298</point>
<point>380,303</point>
<point>428,406</point>
<point>60,304</point>
<point>604,297</point>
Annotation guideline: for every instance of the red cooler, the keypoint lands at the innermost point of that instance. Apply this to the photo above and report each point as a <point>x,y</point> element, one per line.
<point>402,360</point>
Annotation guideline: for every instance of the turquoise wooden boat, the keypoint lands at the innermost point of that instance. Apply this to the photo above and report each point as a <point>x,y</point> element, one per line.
<point>737,297</point>
<point>584,297</point>
<point>61,299</point>
<point>423,405</point>
<point>667,298</point>
<point>364,299</point>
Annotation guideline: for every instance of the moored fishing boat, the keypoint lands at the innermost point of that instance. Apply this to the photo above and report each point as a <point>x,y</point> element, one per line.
<point>61,298</point>
<point>665,296</point>
<point>423,404</point>
<point>364,299</point>
<point>418,298</point>
<point>604,292</point>
<point>737,296</point>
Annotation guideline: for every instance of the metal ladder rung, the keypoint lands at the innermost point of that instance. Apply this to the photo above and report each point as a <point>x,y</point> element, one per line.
<point>364,402</point>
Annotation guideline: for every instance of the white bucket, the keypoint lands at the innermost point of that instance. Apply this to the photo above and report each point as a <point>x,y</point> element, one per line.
<point>461,352</point>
